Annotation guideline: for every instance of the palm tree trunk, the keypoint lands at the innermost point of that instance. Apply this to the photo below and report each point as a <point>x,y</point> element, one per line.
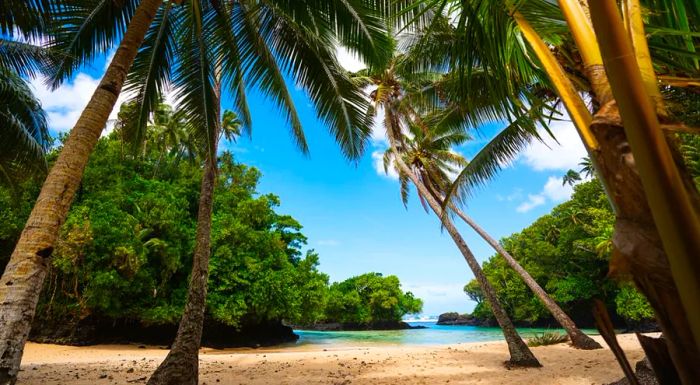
<point>22,281</point>
<point>640,252</point>
<point>520,354</point>
<point>181,366</point>
<point>673,203</point>
<point>578,338</point>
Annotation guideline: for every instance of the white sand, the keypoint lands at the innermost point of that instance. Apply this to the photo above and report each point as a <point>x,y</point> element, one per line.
<point>468,363</point>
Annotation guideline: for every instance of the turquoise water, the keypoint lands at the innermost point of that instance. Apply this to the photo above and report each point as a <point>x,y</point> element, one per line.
<point>432,335</point>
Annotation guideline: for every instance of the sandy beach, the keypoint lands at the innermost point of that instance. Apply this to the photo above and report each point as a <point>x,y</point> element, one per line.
<point>467,363</point>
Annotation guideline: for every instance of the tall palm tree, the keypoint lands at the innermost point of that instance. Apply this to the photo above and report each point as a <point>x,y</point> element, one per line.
<point>428,152</point>
<point>520,354</point>
<point>401,102</point>
<point>261,40</point>
<point>550,33</point>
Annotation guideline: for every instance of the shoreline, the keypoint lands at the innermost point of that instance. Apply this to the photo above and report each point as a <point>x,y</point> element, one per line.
<point>335,364</point>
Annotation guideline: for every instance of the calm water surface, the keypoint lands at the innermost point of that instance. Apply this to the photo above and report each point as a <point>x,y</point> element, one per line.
<point>432,335</point>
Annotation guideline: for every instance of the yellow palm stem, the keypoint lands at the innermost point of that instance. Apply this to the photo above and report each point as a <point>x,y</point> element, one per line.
<point>676,219</point>
<point>632,14</point>
<point>565,89</point>
<point>578,21</point>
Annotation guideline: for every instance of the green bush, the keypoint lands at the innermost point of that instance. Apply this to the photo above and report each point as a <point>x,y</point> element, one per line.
<point>547,338</point>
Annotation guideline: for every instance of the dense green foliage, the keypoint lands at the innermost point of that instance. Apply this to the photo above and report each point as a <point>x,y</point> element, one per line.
<point>567,252</point>
<point>370,298</point>
<point>126,248</point>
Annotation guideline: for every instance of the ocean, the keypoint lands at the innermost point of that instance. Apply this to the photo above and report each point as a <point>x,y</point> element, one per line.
<point>433,334</point>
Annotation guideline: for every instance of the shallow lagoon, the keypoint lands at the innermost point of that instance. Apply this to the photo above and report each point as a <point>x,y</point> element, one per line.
<point>432,335</point>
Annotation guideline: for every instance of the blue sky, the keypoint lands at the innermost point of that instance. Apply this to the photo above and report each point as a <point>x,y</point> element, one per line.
<point>352,212</point>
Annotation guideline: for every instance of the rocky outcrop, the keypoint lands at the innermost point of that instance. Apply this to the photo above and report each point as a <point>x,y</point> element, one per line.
<point>454,318</point>
<point>337,326</point>
<point>95,330</point>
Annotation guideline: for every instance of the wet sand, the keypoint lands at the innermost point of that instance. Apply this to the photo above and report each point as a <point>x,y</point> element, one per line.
<point>466,363</point>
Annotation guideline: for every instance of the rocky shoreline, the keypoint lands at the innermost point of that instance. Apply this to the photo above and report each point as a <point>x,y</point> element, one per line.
<point>94,331</point>
<point>455,319</point>
<point>337,326</point>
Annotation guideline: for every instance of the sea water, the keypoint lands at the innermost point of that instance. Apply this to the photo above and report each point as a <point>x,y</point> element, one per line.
<point>432,334</point>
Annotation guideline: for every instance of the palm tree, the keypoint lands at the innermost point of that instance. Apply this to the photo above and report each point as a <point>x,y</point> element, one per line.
<point>262,41</point>
<point>570,178</point>
<point>429,154</point>
<point>495,28</point>
<point>400,100</point>
<point>520,354</point>
<point>586,167</point>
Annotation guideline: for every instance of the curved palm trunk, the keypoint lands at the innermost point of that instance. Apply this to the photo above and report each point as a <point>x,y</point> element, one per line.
<point>640,251</point>
<point>24,275</point>
<point>520,354</point>
<point>578,338</point>
<point>181,366</point>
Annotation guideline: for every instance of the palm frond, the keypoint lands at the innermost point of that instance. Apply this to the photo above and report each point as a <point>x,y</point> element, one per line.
<point>193,80</point>
<point>260,65</point>
<point>82,30</point>
<point>24,133</point>
<point>496,154</point>
<point>149,75</point>
<point>310,59</point>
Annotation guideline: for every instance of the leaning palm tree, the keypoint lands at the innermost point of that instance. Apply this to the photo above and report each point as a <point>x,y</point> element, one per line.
<point>210,46</point>
<point>261,41</point>
<point>570,59</point>
<point>401,102</point>
<point>520,354</point>
<point>429,154</point>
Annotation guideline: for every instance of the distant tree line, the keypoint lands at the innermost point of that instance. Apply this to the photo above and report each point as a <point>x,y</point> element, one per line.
<point>568,252</point>
<point>125,250</point>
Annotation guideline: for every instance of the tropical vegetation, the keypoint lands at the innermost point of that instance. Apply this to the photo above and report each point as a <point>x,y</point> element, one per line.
<point>567,252</point>
<point>625,72</point>
<point>125,251</point>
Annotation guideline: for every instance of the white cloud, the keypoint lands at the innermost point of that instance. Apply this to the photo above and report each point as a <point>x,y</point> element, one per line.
<point>348,60</point>
<point>554,191</point>
<point>65,104</point>
<point>532,202</point>
<point>439,297</point>
<point>378,135</point>
<point>516,195</point>
<point>378,163</point>
<point>551,155</point>
<point>328,242</point>
<point>557,191</point>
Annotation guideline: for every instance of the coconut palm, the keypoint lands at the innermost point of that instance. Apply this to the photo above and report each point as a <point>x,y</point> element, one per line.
<point>401,102</point>
<point>429,154</point>
<point>520,354</point>
<point>551,33</point>
<point>586,167</point>
<point>262,41</point>
<point>570,178</point>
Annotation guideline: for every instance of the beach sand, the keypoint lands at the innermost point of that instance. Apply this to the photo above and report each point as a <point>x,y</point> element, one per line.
<point>466,363</point>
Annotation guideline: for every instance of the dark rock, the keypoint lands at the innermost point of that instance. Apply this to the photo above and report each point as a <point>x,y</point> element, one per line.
<point>95,330</point>
<point>337,326</point>
<point>454,318</point>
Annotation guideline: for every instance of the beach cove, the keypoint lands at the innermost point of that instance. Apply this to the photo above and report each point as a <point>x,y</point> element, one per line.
<point>332,363</point>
